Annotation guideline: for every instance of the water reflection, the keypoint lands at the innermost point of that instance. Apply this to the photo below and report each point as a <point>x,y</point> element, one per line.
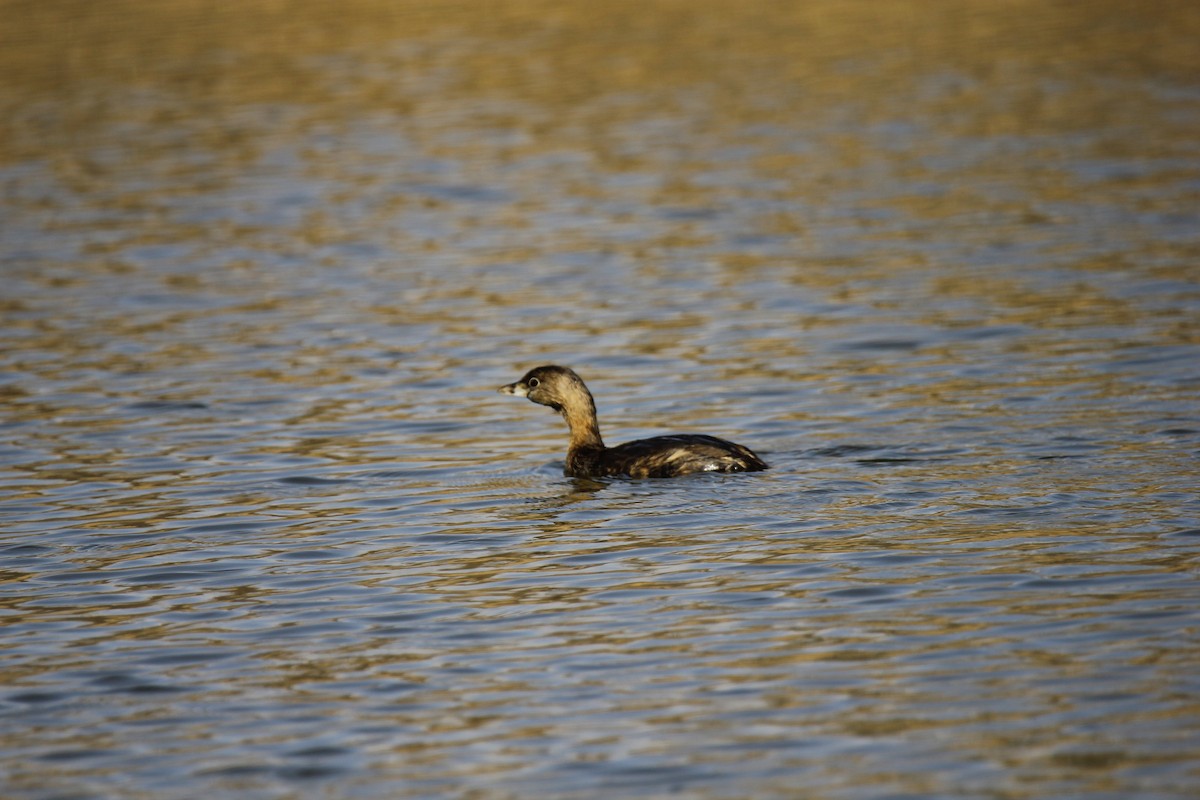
<point>268,529</point>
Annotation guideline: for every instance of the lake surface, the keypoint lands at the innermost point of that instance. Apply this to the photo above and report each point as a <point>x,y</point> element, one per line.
<point>268,531</point>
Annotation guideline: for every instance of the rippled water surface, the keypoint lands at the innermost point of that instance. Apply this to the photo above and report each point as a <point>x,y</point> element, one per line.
<point>268,531</point>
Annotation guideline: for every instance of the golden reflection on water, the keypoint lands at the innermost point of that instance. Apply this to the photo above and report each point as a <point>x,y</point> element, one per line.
<point>535,79</point>
<point>574,73</point>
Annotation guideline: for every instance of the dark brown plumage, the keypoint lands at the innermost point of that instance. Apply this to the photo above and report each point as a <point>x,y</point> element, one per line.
<point>659,457</point>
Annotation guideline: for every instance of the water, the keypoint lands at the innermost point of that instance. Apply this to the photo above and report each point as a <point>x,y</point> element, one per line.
<point>269,532</point>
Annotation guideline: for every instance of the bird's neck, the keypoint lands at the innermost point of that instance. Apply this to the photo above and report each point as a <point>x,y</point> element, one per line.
<point>585,429</point>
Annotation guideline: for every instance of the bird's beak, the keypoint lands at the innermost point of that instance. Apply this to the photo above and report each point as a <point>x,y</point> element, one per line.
<point>519,389</point>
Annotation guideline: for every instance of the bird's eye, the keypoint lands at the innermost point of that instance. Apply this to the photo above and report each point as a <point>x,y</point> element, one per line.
<point>532,383</point>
